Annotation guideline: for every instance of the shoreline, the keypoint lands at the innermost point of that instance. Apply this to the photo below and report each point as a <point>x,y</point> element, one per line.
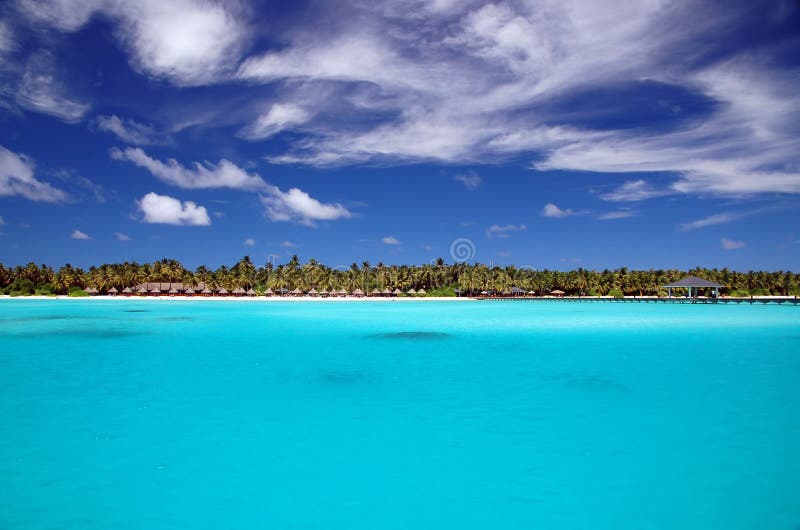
<point>290,299</point>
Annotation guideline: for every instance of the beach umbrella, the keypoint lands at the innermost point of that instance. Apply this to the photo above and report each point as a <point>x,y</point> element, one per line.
<point>387,291</point>
<point>205,290</point>
<point>113,291</point>
<point>412,291</point>
<point>238,290</point>
<point>127,290</point>
<point>250,292</point>
<point>397,291</point>
<point>91,290</point>
<point>268,292</point>
<point>222,291</point>
<point>297,292</point>
<point>142,289</point>
<point>421,291</point>
<point>358,292</point>
<point>189,291</point>
<point>375,292</point>
<point>173,291</point>
<point>313,292</point>
<point>557,292</point>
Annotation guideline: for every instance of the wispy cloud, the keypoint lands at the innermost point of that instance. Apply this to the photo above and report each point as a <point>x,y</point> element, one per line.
<point>188,42</point>
<point>163,209</point>
<point>288,244</point>
<point>634,190</point>
<point>470,180</point>
<point>616,214</point>
<point>81,236</point>
<point>552,210</point>
<point>40,89</point>
<point>224,174</point>
<point>732,244</point>
<point>17,179</point>
<point>122,237</point>
<point>279,117</point>
<point>249,242</point>
<point>504,231</point>
<point>389,240</point>
<point>130,131</point>
<point>713,220</point>
<point>298,206</point>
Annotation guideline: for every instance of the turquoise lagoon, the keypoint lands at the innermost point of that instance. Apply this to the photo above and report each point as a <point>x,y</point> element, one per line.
<point>398,415</point>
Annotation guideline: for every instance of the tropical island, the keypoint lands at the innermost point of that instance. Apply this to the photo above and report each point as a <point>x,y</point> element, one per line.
<point>437,279</point>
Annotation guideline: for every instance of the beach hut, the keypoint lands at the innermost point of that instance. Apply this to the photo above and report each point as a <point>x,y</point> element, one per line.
<point>206,291</point>
<point>516,291</point>
<point>324,293</point>
<point>268,292</point>
<point>397,292</point>
<point>155,291</point>
<point>421,291</point>
<point>238,291</point>
<point>313,292</point>
<point>387,292</point>
<point>375,292</point>
<point>297,292</point>
<point>558,293</point>
<point>358,293</point>
<point>342,292</point>
<point>189,292</point>
<point>113,291</point>
<point>91,291</point>
<point>222,292</point>
<point>142,290</point>
<point>127,291</point>
<point>693,282</point>
<point>173,292</point>
<point>282,291</point>
<point>250,292</point>
<point>412,292</point>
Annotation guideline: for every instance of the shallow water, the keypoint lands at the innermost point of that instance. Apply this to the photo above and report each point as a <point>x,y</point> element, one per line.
<point>155,414</point>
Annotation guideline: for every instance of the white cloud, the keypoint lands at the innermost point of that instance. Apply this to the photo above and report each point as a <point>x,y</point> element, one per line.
<point>288,244</point>
<point>224,174</point>
<point>122,237</point>
<point>551,210</point>
<point>16,179</point>
<point>712,220</point>
<point>129,130</point>
<point>616,214</point>
<point>390,240</point>
<point>249,242</point>
<point>634,190</point>
<point>77,234</point>
<point>298,206</point>
<point>188,42</point>
<point>39,89</point>
<point>470,180</point>
<point>279,117</point>
<point>504,231</point>
<point>168,210</point>
<point>732,244</point>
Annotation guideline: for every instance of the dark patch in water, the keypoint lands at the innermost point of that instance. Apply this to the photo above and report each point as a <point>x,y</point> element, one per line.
<point>79,333</point>
<point>341,377</point>
<point>591,383</point>
<point>36,318</point>
<point>413,335</point>
<point>177,319</point>
<point>135,310</point>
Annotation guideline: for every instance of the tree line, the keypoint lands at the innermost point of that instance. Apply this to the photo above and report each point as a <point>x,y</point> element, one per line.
<point>437,278</point>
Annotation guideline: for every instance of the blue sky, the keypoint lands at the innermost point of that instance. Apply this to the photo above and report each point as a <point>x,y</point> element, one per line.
<point>549,134</point>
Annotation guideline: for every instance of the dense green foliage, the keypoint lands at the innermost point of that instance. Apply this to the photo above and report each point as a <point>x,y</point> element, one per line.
<point>437,278</point>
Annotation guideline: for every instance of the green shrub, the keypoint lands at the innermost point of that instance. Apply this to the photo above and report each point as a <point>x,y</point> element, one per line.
<point>45,289</point>
<point>22,286</point>
<point>442,291</point>
<point>75,293</point>
<point>616,293</point>
<point>16,293</point>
